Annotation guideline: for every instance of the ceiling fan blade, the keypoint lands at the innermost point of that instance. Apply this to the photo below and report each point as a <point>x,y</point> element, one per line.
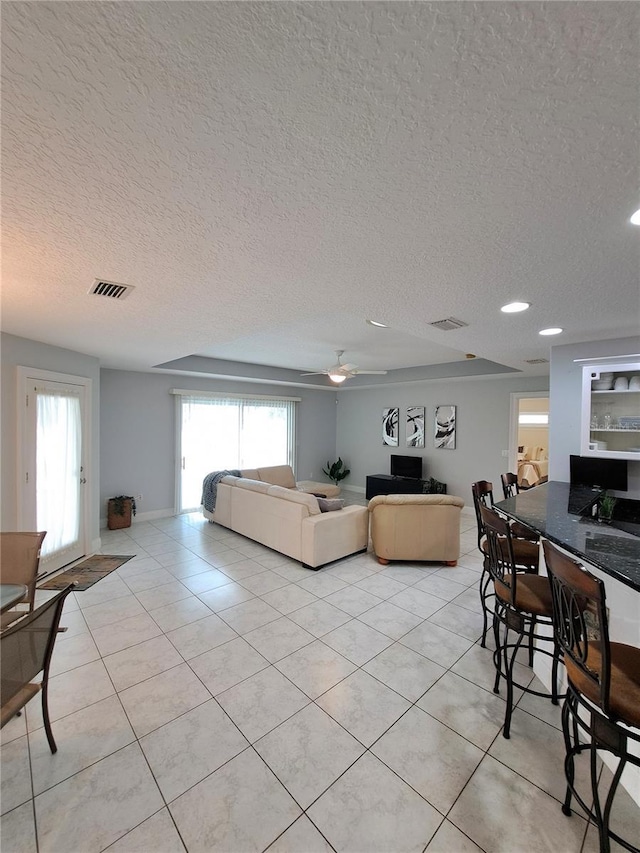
<point>370,372</point>
<point>348,367</point>
<point>316,373</point>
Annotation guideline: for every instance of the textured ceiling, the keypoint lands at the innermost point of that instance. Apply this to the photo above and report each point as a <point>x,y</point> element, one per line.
<point>268,175</point>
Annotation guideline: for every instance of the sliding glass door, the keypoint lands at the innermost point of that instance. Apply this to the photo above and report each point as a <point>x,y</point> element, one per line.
<point>217,433</point>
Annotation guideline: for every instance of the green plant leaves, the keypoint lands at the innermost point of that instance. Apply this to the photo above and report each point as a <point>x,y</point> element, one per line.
<point>336,471</point>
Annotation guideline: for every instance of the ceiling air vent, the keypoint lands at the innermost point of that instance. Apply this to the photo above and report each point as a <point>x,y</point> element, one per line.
<point>449,324</point>
<point>110,289</point>
<point>536,361</point>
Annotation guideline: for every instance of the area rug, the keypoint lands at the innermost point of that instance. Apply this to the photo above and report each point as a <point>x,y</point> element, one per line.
<point>88,572</point>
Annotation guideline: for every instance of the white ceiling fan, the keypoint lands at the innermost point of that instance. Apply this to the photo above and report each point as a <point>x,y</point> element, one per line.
<point>339,372</point>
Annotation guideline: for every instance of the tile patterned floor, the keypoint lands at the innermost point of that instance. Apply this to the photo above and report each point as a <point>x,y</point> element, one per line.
<point>212,695</point>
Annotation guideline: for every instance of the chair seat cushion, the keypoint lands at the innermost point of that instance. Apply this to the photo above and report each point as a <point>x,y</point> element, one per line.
<point>533,593</point>
<point>624,693</point>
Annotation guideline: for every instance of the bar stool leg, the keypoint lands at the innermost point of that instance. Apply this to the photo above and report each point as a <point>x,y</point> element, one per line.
<point>485,580</point>
<point>568,761</point>
<point>604,836</point>
<point>497,653</point>
<point>554,673</point>
<point>609,801</point>
<point>531,647</point>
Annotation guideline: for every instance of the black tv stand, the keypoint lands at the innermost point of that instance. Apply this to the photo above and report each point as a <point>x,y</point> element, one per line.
<point>388,484</point>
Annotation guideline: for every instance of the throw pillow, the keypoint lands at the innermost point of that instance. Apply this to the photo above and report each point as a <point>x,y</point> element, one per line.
<point>330,504</point>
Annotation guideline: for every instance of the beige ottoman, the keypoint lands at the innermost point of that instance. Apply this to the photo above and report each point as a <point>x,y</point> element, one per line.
<point>329,490</point>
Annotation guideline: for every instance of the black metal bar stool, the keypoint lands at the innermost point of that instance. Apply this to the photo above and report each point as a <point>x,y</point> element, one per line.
<point>525,550</point>
<point>603,696</point>
<point>522,604</point>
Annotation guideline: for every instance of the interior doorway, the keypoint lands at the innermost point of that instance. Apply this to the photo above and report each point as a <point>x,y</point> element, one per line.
<point>529,437</point>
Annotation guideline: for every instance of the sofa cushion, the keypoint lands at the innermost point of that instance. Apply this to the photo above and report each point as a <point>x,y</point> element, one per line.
<point>329,490</point>
<point>252,485</point>
<point>278,475</point>
<point>251,473</point>
<point>295,496</point>
<point>330,504</point>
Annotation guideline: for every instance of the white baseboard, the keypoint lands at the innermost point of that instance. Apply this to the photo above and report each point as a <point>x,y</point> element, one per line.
<point>143,516</point>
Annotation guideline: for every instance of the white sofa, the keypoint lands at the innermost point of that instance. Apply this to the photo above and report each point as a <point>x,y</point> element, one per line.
<point>289,520</point>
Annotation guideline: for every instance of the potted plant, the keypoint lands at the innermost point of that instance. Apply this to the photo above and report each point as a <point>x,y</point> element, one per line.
<point>119,511</point>
<point>606,505</point>
<point>336,471</point>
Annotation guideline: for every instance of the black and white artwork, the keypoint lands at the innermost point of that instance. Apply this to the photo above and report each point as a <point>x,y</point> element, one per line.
<point>390,419</point>
<point>445,427</point>
<point>415,426</point>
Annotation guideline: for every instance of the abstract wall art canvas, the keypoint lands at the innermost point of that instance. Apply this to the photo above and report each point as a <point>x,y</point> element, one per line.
<point>415,426</point>
<point>390,419</point>
<point>445,427</point>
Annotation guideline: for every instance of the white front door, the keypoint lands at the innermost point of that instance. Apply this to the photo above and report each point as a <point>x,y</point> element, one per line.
<point>54,476</point>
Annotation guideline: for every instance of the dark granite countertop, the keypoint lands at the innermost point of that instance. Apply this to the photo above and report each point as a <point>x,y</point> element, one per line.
<point>553,510</point>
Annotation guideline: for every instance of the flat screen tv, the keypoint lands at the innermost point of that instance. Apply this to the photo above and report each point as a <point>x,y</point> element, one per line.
<point>603,473</point>
<point>406,466</point>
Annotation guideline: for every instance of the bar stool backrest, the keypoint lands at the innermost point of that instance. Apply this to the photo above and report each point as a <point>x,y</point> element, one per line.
<point>482,492</point>
<point>510,487</point>
<point>500,559</point>
<point>580,625</point>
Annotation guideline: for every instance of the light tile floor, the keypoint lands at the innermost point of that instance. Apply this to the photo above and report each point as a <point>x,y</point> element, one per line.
<point>212,695</point>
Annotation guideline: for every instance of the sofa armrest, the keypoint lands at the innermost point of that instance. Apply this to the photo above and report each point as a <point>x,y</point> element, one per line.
<point>332,535</point>
<point>415,500</point>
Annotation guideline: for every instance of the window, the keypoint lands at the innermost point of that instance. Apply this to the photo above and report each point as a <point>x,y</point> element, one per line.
<point>216,432</point>
<point>533,418</point>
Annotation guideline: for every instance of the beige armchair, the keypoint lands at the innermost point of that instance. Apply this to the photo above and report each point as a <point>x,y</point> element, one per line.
<point>416,527</point>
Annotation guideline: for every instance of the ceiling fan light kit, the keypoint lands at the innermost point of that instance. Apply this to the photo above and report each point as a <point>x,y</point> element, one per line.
<point>339,372</point>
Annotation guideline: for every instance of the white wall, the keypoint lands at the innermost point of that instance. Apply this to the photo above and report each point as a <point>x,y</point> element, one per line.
<point>137,417</point>
<point>21,351</point>
<point>566,400</point>
<point>483,412</point>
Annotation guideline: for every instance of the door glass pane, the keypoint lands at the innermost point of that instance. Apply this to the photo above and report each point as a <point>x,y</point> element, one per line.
<point>263,438</point>
<point>58,461</point>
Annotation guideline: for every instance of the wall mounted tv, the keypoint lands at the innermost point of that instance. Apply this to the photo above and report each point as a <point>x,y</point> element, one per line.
<point>603,473</point>
<point>406,466</point>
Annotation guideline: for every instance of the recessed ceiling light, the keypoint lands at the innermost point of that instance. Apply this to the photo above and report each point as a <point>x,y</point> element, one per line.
<point>379,325</point>
<point>514,307</point>
<point>635,219</point>
<point>552,331</point>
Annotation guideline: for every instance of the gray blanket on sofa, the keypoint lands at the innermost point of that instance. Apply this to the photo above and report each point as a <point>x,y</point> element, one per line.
<point>210,487</point>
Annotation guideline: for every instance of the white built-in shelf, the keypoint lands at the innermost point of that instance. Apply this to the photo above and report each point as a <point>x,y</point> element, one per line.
<point>613,429</point>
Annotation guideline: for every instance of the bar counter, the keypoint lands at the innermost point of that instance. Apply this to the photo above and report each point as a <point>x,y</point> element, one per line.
<point>552,510</point>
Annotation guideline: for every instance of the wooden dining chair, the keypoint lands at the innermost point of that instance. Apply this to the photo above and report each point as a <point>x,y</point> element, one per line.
<point>25,651</point>
<point>19,562</point>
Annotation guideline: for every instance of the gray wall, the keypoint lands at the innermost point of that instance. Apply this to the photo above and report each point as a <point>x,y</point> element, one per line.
<point>137,420</point>
<point>26,353</point>
<point>566,402</point>
<point>483,411</point>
